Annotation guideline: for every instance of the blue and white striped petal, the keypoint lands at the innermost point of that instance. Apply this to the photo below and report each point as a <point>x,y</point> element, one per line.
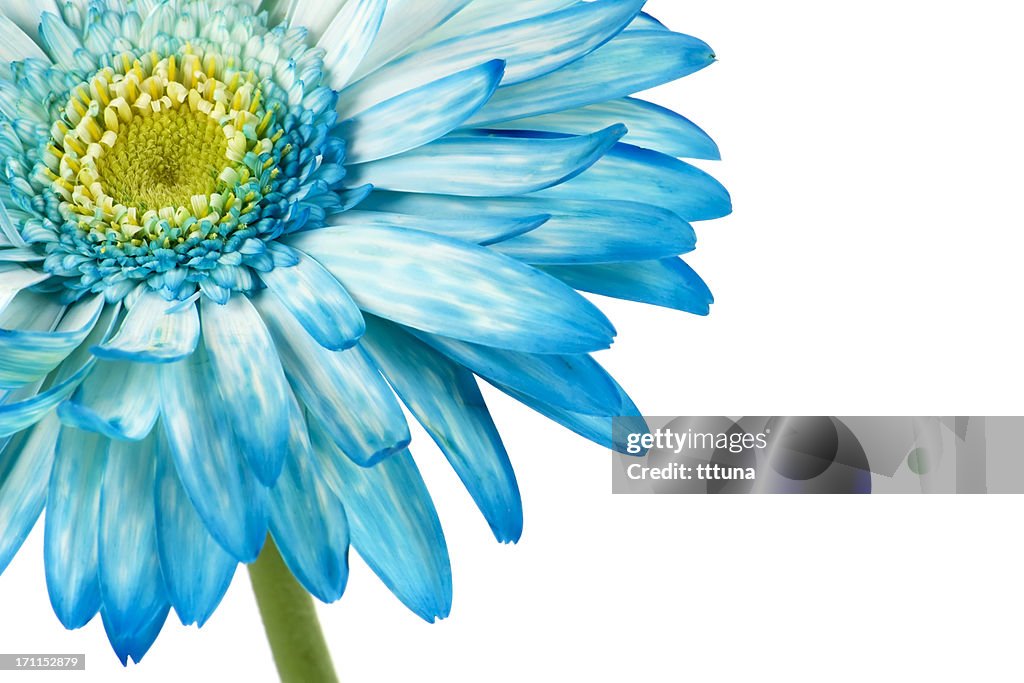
<point>670,283</point>
<point>573,382</point>
<point>348,38</point>
<point>607,73</point>
<point>314,16</point>
<point>445,286</point>
<point>251,382</point>
<point>445,399</point>
<point>72,518</point>
<point>478,228</point>
<point>196,570</point>
<point>317,300</point>
<point>14,278</point>
<point>213,471</point>
<point>420,115</point>
<point>487,167</point>
<point>343,389</point>
<point>404,22</point>
<point>27,14</point>
<point>152,334</point>
<point>118,399</point>
<point>135,644</point>
<point>15,44</point>
<point>25,465</point>
<point>393,525</point>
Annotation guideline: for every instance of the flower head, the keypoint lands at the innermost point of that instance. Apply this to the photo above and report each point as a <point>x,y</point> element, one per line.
<point>235,237</point>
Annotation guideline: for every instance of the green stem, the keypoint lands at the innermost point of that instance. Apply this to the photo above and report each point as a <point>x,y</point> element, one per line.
<point>289,618</point>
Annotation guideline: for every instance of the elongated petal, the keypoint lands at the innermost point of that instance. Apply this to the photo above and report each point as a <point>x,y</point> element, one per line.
<point>670,283</point>
<point>607,73</point>
<point>602,232</point>
<point>649,125</point>
<point>478,228</point>
<point>135,644</point>
<point>308,521</point>
<point>348,38</point>
<point>28,355</point>
<point>445,399</point>
<point>420,115</point>
<point>149,334</point>
<point>251,381</point>
<point>640,175</point>
<point>344,389</point>
<point>480,15</point>
<point>530,48</point>
<point>196,570</point>
<point>72,517</point>
<point>318,301</point>
<point>129,569</point>
<point>394,526</point>
<point>25,465</point>
<point>59,40</point>
<point>212,469</point>
<point>27,14</point>
<point>445,286</point>
<point>404,22</point>
<point>13,279</point>
<point>118,399</point>
<point>573,382</point>
<point>487,167</point>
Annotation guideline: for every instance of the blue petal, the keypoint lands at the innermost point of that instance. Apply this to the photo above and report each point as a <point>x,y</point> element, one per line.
<point>670,283</point>
<point>634,61</point>
<point>487,167</point>
<point>313,16</point>
<point>344,389</point>
<point>445,399</point>
<point>28,355</point>
<point>250,381</point>
<point>640,175</point>
<point>404,22</point>
<point>149,334</point>
<point>531,48</point>
<point>118,399</point>
<point>649,125</point>
<point>348,38</point>
<point>307,521</point>
<point>573,382</point>
<point>135,644</point>
<point>72,517</point>
<point>196,570</point>
<point>213,472</point>
<point>13,279</point>
<point>477,228</point>
<point>25,465</point>
<point>26,15</point>
<point>59,40</point>
<point>129,569</point>
<point>419,116</point>
<point>394,526</point>
<point>448,287</point>
<point>318,301</point>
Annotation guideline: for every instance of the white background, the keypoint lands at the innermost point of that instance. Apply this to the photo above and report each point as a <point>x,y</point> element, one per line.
<point>872,267</point>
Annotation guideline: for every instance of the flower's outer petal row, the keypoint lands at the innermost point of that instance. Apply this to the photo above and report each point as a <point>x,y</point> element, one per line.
<point>641,175</point>
<point>393,524</point>
<point>25,464</point>
<point>650,126</point>
<point>482,166</point>
<point>213,471</point>
<point>251,383</point>
<point>15,44</point>
<point>153,333</point>
<point>318,301</point>
<point>342,389</point>
<point>530,48</point>
<point>14,279</point>
<point>404,22</point>
<point>196,569</point>
<point>607,73</point>
<point>482,229</point>
<point>573,382</point>
<point>445,399</point>
<point>475,294</point>
<point>420,115</point>
<point>29,355</point>
<point>606,431</point>
<point>131,585</point>
<point>670,283</point>
<point>72,518</point>
<point>134,645</point>
<point>27,14</point>
<point>348,38</point>
<point>307,520</point>
<point>313,15</point>
<point>118,399</point>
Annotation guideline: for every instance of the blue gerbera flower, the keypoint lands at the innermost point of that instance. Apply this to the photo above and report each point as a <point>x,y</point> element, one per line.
<point>235,238</point>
